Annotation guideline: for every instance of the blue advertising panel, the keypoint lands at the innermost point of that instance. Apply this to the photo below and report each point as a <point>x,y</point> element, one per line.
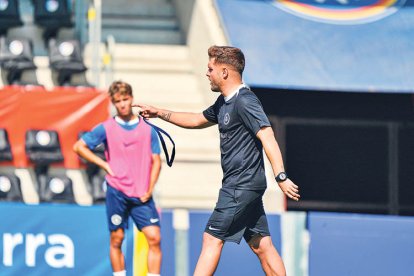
<point>53,239</point>
<point>334,45</point>
<point>167,243</point>
<point>131,248</point>
<point>350,244</point>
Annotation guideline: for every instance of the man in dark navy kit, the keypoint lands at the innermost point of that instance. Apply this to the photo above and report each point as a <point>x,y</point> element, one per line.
<point>244,132</point>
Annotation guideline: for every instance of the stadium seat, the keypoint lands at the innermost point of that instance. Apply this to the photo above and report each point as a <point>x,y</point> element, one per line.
<point>5,148</point>
<point>16,61</point>
<point>66,61</point>
<point>96,179</point>
<point>10,189</point>
<point>16,184</point>
<point>9,16</point>
<point>52,15</point>
<point>95,175</point>
<point>56,188</point>
<point>43,149</point>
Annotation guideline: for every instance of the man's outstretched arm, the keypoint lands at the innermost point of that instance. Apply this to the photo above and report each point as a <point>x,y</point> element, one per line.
<point>181,119</point>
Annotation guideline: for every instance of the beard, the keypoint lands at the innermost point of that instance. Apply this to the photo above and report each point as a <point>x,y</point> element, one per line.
<point>214,87</point>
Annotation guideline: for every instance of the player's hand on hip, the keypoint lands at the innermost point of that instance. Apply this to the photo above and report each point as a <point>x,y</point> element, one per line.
<point>108,169</point>
<point>146,197</point>
<point>290,189</point>
<point>147,111</point>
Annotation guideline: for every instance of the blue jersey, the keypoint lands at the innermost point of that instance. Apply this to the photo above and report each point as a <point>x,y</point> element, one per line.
<point>98,136</point>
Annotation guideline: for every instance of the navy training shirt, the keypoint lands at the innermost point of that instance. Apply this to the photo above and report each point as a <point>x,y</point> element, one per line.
<point>239,119</point>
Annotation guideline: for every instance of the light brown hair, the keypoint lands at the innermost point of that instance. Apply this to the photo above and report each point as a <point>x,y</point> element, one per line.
<point>228,55</point>
<point>120,87</point>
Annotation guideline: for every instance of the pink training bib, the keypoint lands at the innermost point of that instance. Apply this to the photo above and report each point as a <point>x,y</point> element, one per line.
<point>130,157</point>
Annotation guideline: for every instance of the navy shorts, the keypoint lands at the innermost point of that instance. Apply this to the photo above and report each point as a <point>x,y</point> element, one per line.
<point>120,206</point>
<point>238,213</point>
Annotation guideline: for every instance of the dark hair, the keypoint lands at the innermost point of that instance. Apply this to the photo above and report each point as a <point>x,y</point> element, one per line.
<point>120,87</point>
<point>228,55</point>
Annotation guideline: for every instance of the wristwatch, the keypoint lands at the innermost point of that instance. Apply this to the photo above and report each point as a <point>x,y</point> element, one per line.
<point>281,177</point>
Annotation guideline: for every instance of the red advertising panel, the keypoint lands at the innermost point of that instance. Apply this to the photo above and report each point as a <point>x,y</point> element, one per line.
<point>68,111</point>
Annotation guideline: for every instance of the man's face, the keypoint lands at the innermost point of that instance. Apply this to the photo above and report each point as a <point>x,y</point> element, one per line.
<point>122,103</point>
<point>214,75</point>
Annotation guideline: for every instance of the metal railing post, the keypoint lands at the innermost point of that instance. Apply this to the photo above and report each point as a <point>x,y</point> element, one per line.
<point>95,29</point>
<point>108,60</point>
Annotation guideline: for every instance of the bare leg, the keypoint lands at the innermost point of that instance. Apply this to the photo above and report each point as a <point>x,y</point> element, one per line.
<point>153,236</point>
<point>115,252</point>
<point>209,257</point>
<point>270,260</point>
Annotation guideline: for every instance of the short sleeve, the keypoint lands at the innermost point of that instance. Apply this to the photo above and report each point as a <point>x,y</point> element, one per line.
<point>95,137</point>
<point>155,143</point>
<point>251,112</point>
<point>211,113</point>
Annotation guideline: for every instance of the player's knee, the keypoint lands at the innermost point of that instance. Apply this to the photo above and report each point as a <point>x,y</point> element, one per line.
<point>154,239</point>
<point>117,238</point>
<point>258,251</point>
<point>211,241</point>
<point>259,245</point>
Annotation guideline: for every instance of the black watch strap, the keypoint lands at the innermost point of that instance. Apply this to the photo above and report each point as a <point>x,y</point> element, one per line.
<point>282,176</point>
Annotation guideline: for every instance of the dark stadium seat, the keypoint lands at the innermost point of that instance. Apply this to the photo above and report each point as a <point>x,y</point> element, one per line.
<point>10,186</point>
<point>96,178</point>
<point>10,189</point>
<point>9,16</point>
<point>56,188</point>
<point>16,61</point>
<point>5,148</point>
<point>66,61</point>
<point>43,149</point>
<point>52,16</point>
<point>95,175</point>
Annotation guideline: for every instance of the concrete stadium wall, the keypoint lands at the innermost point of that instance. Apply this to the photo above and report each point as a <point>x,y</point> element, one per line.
<point>205,30</point>
<point>184,9</point>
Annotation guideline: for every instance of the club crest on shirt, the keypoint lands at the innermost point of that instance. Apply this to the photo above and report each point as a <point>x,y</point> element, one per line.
<point>226,118</point>
<point>340,11</point>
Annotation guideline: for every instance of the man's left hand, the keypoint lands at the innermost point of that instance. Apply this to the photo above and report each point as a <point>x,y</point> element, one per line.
<point>290,189</point>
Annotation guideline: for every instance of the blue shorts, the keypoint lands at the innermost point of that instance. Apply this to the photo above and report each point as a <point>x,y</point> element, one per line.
<point>238,213</point>
<point>120,206</point>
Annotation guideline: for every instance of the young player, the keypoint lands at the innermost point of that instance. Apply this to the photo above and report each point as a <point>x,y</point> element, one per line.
<point>133,165</point>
